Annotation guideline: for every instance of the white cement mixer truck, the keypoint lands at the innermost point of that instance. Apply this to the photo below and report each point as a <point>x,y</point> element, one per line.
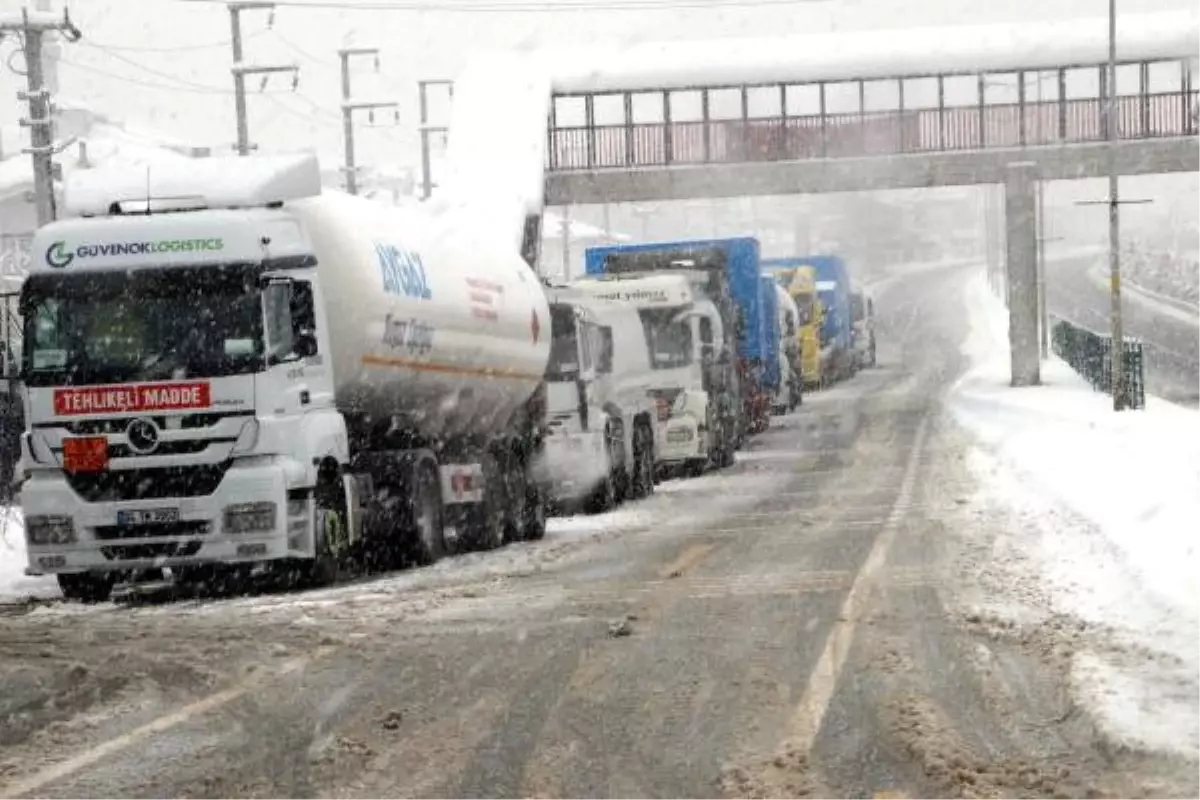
<point>226,366</point>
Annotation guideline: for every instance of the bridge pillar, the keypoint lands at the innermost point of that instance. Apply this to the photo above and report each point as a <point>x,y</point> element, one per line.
<point>1021,267</point>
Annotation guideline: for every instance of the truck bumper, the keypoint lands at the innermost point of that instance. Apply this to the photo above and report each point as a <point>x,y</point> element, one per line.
<point>247,519</point>
<point>682,441</point>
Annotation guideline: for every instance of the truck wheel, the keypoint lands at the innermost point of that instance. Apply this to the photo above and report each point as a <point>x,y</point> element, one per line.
<point>606,495</point>
<point>428,533</point>
<point>329,531</point>
<point>485,521</point>
<point>516,497</point>
<point>87,587</point>
<point>643,463</point>
<point>535,512</point>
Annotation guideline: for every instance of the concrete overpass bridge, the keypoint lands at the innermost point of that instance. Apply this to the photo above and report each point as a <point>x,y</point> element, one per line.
<point>865,111</point>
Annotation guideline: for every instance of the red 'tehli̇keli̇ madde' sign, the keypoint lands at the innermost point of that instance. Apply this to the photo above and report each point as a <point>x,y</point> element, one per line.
<point>133,398</point>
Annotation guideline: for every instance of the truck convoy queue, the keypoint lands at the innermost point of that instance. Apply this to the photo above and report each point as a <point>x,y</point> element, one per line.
<point>232,369</point>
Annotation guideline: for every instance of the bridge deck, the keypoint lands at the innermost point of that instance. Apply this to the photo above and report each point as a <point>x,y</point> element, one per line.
<point>944,114</point>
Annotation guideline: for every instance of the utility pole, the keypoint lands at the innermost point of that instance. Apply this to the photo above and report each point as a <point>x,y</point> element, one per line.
<point>428,130</point>
<point>1114,219</point>
<point>40,120</point>
<point>241,70</point>
<point>564,228</point>
<point>1043,314</point>
<point>349,107</point>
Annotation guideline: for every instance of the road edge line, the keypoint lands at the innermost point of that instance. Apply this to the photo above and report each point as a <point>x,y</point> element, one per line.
<point>94,754</point>
<point>806,720</point>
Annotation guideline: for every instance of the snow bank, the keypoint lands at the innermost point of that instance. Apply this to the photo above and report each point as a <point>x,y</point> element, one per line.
<point>870,54</point>
<point>14,584</point>
<point>1115,498</point>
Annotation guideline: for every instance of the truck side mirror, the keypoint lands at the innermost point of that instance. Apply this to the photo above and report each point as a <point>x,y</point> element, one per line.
<point>305,345</point>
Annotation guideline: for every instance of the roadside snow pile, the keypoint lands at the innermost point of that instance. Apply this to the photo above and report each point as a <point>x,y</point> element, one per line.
<point>14,584</point>
<point>1106,505</point>
<point>1176,275</point>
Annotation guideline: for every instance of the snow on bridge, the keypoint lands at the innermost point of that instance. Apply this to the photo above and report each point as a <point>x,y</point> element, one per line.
<point>627,122</point>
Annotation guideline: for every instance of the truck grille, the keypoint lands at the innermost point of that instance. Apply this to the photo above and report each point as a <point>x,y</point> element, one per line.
<point>145,484</point>
<point>110,532</point>
<point>97,427</point>
<point>132,551</point>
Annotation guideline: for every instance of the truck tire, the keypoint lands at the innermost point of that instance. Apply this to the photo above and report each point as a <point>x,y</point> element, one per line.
<point>606,496</point>
<point>426,522</point>
<point>642,483</point>
<point>87,587</point>
<point>535,512</point>
<point>329,531</point>
<point>516,496</point>
<point>485,521</point>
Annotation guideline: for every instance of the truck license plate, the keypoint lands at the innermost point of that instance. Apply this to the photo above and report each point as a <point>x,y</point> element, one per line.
<point>147,516</point>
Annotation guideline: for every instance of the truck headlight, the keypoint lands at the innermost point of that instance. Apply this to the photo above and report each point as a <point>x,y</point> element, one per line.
<point>250,517</point>
<point>247,438</point>
<point>43,529</point>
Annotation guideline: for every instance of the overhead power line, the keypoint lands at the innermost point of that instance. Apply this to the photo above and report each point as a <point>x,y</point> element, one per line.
<point>499,6</point>
<point>195,88</point>
<point>172,49</point>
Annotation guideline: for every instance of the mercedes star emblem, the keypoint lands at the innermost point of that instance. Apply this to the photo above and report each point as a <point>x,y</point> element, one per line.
<point>143,435</point>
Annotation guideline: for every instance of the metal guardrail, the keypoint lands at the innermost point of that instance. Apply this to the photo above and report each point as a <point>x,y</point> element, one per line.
<point>1090,354</point>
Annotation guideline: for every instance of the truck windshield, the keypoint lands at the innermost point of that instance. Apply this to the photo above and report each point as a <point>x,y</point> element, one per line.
<point>564,346</point>
<point>142,325</point>
<point>804,303</point>
<point>668,339</point>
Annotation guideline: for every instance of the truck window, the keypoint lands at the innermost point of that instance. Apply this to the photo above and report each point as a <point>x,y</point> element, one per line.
<point>856,307</point>
<point>564,350</point>
<point>605,365</point>
<point>152,324</point>
<point>706,336</point>
<point>669,340</point>
<point>586,333</point>
<point>804,303</point>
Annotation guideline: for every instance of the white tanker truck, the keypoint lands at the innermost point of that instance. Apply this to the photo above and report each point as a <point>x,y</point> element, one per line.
<point>229,367</point>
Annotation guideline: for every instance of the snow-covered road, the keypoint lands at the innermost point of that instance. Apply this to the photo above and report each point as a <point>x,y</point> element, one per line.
<point>878,599</point>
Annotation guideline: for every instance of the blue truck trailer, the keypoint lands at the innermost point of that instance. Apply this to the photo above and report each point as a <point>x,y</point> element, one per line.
<point>737,261</point>
<point>771,373</point>
<point>833,290</point>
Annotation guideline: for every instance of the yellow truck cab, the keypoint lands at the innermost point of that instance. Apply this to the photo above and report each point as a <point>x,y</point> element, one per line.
<point>801,283</point>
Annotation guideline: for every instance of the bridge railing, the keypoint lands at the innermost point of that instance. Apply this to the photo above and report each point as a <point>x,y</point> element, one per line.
<point>899,131</point>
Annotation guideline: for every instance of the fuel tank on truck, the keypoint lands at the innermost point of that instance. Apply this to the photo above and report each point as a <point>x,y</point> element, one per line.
<point>429,322</point>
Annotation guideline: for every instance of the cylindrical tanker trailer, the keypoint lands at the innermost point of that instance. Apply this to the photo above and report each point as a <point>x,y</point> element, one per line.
<point>225,366</point>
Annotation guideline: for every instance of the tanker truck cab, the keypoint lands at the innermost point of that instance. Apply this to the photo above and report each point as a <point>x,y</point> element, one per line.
<point>240,372</point>
<point>599,445</point>
<point>176,388</point>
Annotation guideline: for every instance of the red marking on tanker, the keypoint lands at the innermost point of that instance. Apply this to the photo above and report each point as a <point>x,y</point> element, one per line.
<point>535,325</point>
<point>477,283</point>
<point>135,397</point>
<point>485,313</point>
<point>449,369</point>
<point>482,297</point>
